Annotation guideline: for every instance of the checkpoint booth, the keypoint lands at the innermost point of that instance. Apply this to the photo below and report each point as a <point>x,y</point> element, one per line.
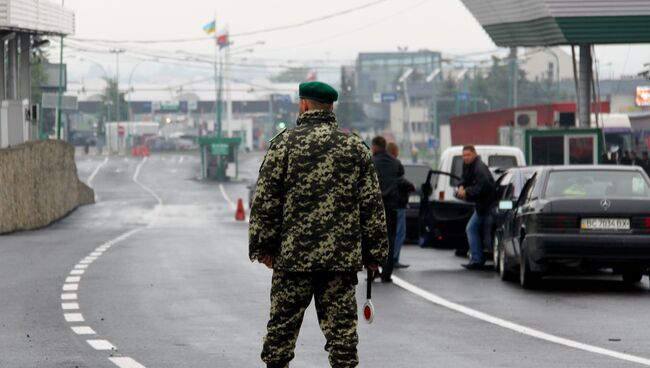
<point>564,146</point>
<point>219,158</point>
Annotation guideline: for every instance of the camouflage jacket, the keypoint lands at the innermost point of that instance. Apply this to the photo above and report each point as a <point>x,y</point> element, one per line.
<point>317,205</point>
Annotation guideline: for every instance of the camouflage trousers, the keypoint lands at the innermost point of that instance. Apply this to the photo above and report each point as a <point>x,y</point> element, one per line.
<point>336,307</point>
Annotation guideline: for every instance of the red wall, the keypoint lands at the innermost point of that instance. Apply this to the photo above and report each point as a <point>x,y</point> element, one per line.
<point>483,128</point>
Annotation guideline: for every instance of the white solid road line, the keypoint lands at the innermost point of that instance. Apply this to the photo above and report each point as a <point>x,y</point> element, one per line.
<point>83,330</point>
<point>435,299</point>
<point>101,345</point>
<point>126,362</point>
<point>96,171</point>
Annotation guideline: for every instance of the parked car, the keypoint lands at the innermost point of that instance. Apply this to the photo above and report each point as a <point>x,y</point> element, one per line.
<point>448,215</point>
<point>509,186</point>
<point>578,218</point>
<point>416,173</point>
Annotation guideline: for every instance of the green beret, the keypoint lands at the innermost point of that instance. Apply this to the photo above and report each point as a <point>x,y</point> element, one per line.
<point>318,91</point>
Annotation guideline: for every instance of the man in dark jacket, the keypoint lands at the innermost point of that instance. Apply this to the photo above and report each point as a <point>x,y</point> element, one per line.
<point>405,188</point>
<point>389,172</point>
<point>477,186</point>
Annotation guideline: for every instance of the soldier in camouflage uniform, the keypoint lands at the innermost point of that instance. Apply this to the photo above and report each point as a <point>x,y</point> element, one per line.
<point>317,219</point>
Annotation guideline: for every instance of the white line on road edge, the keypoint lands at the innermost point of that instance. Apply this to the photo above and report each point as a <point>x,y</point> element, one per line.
<point>99,167</point>
<point>516,327</point>
<point>225,196</point>
<point>123,362</point>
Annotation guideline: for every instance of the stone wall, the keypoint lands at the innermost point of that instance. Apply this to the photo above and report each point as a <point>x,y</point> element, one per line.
<point>39,185</point>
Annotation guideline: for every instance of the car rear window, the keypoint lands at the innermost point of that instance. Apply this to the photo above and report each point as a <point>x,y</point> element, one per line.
<point>600,184</point>
<point>416,174</point>
<point>502,162</point>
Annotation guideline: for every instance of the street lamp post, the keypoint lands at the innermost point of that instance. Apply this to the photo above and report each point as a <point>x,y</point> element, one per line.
<point>433,79</point>
<point>131,88</point>
<point>117,53</point>
<point>407,99</point>
<point>557,68</point>
<point>60,90</point>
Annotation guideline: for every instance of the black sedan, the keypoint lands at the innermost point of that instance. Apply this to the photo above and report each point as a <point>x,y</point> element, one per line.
<point>509,186</point>
<point>574,218</point>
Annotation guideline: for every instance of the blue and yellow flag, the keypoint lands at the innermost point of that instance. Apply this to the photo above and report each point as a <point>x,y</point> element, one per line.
<point>210,28</point>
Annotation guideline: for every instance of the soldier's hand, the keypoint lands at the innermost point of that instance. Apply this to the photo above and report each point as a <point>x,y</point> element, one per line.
<point>373,267</point>
<point>267,261</point>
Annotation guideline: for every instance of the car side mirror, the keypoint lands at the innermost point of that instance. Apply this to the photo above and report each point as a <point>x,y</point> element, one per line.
<point>506,205</point>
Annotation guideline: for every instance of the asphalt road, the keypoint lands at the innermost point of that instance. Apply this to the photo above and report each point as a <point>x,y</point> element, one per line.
<point>163,280</point>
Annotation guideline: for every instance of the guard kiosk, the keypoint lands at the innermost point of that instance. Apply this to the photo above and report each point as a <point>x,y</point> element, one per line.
<point>216,156</point>
<point>564,147</point>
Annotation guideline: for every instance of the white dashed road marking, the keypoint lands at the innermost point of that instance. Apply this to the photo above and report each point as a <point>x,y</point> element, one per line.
<point>70,306</point>
<point>72,281</point>
<point>83,330</point>
<point>125,362</point>
<point>101,345</point>
<point>70,287</point>
<point>435,299</point>
<point>73,317</point>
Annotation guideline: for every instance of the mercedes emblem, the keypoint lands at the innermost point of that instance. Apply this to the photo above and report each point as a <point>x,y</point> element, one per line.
<point>605,204</point>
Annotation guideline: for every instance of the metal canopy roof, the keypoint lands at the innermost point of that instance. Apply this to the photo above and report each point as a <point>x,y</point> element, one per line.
<point>36,16</point>
<point>563,22</point>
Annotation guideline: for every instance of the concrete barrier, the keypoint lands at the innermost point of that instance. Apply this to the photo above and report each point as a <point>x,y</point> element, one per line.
<point>39,185</point>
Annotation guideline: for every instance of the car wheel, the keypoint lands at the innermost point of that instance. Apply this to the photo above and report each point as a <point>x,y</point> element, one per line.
<point>505,270</point>
<point>527,278</point>
<point>495,252</point>
<point>632,276</point>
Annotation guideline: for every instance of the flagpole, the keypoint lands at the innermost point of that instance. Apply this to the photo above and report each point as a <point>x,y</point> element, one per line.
<point>217,125</point>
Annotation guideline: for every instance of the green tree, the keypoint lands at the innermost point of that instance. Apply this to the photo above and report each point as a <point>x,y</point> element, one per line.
<point>291,75</point>
<point>39,77</point>
<point>109,96</point>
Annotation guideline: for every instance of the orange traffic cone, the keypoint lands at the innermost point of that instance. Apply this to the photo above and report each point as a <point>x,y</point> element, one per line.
<point>240,215</point>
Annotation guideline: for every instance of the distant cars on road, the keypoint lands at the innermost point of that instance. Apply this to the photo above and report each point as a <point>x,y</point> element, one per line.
<point>577,218</point>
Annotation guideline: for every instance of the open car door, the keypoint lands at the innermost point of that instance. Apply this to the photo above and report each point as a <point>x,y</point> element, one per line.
<point>443,222</point>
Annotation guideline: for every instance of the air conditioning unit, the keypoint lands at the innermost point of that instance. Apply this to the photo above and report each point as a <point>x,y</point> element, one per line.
<point>525,119</point>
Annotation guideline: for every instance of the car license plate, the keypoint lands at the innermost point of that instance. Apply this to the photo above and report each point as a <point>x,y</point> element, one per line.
<point>605,224</point>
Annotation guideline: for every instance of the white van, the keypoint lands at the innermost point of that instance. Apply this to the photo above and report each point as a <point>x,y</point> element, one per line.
<point>444,216</point>
<point>496,157</point>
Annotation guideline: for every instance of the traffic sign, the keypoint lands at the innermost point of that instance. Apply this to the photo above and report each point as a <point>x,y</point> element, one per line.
<point>462,96</point>
<point>220,149</point>
<point>388,97</point>
<point>433,143</point>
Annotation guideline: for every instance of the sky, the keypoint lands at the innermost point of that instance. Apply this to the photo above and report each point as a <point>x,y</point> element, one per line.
<point>440,25</point>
